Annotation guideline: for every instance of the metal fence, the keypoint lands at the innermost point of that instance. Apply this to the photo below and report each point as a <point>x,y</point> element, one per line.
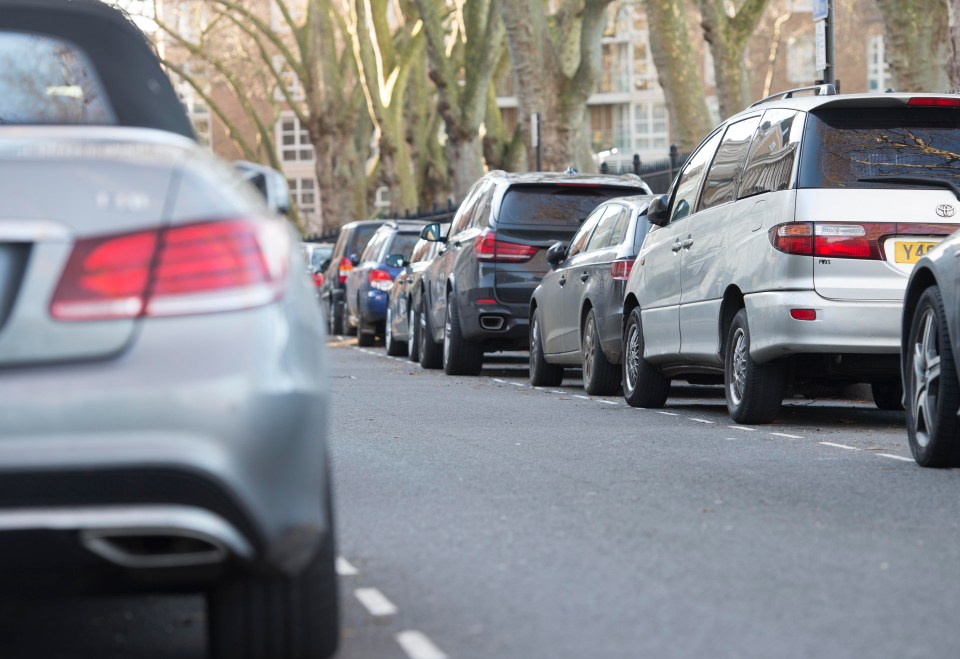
<point>658,174</point>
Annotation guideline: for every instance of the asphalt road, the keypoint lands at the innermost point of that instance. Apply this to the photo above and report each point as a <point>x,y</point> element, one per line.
<point>482,518</point>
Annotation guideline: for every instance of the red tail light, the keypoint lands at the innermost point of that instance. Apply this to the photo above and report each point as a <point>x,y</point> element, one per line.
<point>346,265</point>
<point>933,101</point>
<point>490,248</point>
<point>835,239</point>
<point>318,279</point>
<point>620,269</point>
<point>380,280</point>
<point>197,268</point>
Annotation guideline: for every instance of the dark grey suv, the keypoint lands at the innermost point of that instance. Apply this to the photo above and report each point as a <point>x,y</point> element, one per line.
<point>351,241</point>
<point>476,293</point>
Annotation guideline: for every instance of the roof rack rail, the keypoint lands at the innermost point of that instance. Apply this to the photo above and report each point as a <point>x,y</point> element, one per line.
<point>819,90</point>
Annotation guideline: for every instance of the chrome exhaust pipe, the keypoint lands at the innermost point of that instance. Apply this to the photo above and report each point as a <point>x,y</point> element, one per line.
<point>162,548</point>
<point>492,323</point>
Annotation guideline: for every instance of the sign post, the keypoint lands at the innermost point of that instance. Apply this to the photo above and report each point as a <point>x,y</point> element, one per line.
<point>535,135</point>
<point>823,31</point>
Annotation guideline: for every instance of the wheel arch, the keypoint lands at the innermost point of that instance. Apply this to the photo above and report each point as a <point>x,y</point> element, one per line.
<point>731,304</point>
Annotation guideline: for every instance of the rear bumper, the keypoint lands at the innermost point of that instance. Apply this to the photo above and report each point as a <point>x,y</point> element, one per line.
<point>373,305</point>
<point>206,428</point>
<point>840,326</point>
<point>499,323</point>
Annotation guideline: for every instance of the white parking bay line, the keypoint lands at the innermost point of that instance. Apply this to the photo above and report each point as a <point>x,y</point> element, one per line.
<point>666,413</point>
<point>700,420</point>
<point>418,646</point>
<point>747,428</point>
<point>788,436</point>
<point>375,602</point>
<point>581,397</point>
<point>608,402</point>
<point>344,569</point>
<point>499,380</point>
<point>557,391</point>
<point>895,457</point>
<point>843,446</point>
<point>518,384</point>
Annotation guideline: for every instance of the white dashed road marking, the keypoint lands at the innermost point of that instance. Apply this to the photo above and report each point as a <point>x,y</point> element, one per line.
<point>375,602</point>
<point>499,380</point>
<point>788,436</point>
<point>843,446</point>
<point>581,397</point>
<point>557,391</point>
<point>418,646</point>
<point>895,457</point>
<point>747,428</point>
<point>608,402</point>
<point>666,413</point>
<point>518,384</point>
<point>344,569</point>
<point>700,420</point>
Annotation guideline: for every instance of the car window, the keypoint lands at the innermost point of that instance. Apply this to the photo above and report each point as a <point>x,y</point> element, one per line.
<point>583,234</point>
<point>611,225</point>
<point>361,235</point>
<point>403,243</point>
<point>555,205</point>
<point>773,154</point>
<point>481,215</point>
<point>44,80</point>
<point>720,186</point>
<point>688,183</point>
<point>421,251</point>
<point>465,214</point>
<point>841,147</point>
<point>372,251</point>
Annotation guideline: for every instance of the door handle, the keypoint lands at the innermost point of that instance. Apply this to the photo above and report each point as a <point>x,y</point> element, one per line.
<point>457,244</point>
<point>676,246</point>
<point>584,277</point>
<point>687,243</point>
<point>562,280</point>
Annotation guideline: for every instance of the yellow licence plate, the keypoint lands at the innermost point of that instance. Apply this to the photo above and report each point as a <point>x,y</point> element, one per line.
<point>910,251</point>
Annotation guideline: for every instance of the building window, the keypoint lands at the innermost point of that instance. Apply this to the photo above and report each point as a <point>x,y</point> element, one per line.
<point>801,59</point>
<point>191,19</point>
<point>196,108</point>
<point>650,127</point>
<point>296,8</point>
<point>878,71</point>
<point>303,191</point>
<point>291,81</point>
<point>644,72</point>
<point>293,140</point>
<point>615,76</point>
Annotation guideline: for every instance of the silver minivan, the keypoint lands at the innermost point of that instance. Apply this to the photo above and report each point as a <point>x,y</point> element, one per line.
<point>779,259</point>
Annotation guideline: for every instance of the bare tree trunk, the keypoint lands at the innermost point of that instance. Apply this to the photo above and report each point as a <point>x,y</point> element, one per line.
<point>953,45</point>
<point>727,36</point>
<point>679,73</point>
<point>916,43</point>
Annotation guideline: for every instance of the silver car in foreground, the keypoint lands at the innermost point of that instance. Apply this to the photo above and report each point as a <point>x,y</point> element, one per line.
<point>163,405</point>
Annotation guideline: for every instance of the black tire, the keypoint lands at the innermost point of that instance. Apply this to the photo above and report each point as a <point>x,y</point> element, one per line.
<point>252,616</point>
<point>394,346</point>
<point>335,321</point>
<point>542,374</point>
<point>754,391</point>
<point>932,389</point>
<point>888,394</point>
<point>413,333</point>
<point>431,352</point>
<point>460,357</point>
<point>600,377</point>
<point>643,383</point>
<point>365,336</point>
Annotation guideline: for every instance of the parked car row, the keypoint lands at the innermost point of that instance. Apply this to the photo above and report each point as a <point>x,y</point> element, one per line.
<point>778,262</point>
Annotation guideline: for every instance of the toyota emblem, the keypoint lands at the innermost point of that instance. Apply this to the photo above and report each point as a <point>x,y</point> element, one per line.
<point>946,210</point>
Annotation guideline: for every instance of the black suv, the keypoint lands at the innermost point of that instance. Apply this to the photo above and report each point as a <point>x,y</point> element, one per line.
<point>477,291</point>
<point>353,237</point>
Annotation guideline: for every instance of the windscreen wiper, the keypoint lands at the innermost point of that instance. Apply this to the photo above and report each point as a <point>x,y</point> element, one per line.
<point>915,180</point>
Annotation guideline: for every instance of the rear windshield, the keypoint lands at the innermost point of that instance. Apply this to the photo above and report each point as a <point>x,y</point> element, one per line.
<point>361,236</point>
<point>45,80</point>
<point>841,148</point>
<point>556,205</point>
<point>403,244</point>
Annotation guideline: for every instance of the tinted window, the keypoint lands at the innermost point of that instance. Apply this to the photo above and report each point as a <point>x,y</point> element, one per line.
<point>843,146</point>
<point>49,81</point>
<point>555,205</point>
<point>688,184</point>
<point>403,243</point>
<point>372,251</point>
<point>580,239</point>
<point>481,216</point>
<point>769,166</point>
<point>721,184</point>
<point>462,219</point>
<point>421,251</point>
<point>360,237</point>
<point>609,230</point>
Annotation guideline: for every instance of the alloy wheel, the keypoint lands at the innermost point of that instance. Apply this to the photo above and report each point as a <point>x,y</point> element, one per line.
<point>738,377</point>
<point>926,377</point>
<point>589,343</point>
<point>632,371</point>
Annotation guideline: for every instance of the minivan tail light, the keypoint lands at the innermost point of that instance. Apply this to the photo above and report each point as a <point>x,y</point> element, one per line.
<point>933,102</point>
<point>380,280</point>
<point>620,269</point>
<point>346,265</point>
<point>196,268</point>
<point>844,240</point>
<point>490,248</point>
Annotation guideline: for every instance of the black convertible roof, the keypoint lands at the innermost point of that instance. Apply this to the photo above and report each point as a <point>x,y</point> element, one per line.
<point>139,91</point>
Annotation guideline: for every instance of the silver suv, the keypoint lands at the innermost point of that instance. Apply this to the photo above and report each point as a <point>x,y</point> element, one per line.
<point>780,256</point>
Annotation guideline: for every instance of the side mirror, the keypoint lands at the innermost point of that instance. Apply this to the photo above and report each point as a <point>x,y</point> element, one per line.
<point>657,211</point>
<point>395,261</point>
<point>323,266</point>
<point>556,254</point>
<point>355,259</point>
<point>432,233</point>
<point>271,184</point>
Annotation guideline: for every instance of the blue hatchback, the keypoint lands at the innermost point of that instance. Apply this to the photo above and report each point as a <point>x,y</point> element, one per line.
<point>368,285</point>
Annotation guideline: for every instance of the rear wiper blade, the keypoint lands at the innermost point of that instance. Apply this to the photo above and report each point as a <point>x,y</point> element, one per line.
<point>915,180</point>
